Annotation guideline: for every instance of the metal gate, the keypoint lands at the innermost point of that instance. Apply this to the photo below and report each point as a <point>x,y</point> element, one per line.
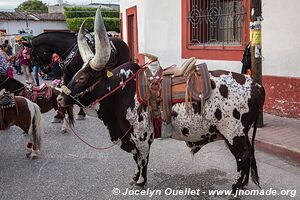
<point>216,22</point>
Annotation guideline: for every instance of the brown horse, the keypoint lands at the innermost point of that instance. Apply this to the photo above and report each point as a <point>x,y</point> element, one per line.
<point>19,111</point>
<point>44,97</point>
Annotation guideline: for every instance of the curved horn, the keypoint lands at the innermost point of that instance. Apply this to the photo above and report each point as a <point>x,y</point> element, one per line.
<point>84,49</point>
<point>102,45</point>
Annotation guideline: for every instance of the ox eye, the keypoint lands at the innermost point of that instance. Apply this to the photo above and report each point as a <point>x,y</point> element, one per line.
<point>81,78</point>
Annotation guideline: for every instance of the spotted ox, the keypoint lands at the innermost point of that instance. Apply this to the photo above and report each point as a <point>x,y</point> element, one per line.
<point>228,114</point>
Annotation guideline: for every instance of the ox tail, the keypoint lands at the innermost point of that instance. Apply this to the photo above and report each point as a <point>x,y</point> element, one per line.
<point>37,126</point>
<point>254,172</point>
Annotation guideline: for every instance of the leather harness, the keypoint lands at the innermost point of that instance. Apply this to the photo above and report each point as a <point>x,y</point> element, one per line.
<point>7,100</point>
<point>164,88</point>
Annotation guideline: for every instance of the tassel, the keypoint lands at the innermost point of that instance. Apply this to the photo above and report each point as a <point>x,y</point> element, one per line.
<point>157,125</point>
<point>188,97</point>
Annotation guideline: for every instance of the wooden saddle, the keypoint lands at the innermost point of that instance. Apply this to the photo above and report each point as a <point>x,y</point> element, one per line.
<point>188,83</point>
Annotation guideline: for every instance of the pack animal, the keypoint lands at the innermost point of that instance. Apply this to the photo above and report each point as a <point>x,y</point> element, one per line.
<point>44,96</point>
<point>228,114</point>
<point>19,111</point>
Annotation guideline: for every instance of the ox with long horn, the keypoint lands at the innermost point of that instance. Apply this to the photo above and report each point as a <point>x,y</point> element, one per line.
<point>102,44</point>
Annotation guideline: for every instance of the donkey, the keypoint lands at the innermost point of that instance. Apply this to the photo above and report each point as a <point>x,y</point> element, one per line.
<point>21,112</point>
<point>228,114</point>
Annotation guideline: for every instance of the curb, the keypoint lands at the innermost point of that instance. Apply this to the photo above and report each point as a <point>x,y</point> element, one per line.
<point>278,150</point>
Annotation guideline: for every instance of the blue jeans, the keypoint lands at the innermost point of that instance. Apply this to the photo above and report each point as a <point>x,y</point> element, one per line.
<point>36,75</point>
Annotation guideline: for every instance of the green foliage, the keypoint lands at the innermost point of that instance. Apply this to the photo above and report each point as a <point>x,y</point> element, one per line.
<point>79,12</point>
<point>32,5</point>
<point>76,15</point>
<point>111,24</point>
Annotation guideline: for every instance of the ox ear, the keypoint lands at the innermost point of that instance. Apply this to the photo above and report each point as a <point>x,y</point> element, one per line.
<point>102,44</point>
<point>84,49</point>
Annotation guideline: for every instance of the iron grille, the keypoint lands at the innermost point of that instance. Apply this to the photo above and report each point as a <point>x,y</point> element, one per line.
<point>216,22</point>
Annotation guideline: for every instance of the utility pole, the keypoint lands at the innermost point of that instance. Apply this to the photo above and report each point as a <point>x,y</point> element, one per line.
<point>256,46</point>
<point>26,18</point>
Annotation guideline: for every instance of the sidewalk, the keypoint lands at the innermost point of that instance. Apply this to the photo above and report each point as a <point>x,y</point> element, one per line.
<point>280,136</point>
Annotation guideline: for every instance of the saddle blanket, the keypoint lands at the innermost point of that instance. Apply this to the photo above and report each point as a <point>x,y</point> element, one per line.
<point>7,100</point>
<point>37,93</point>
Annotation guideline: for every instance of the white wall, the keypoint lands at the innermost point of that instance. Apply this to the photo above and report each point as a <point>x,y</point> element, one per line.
<point>125,4</point>
<point>159,32</point>
<point>13,27</point>
<point>159,29</point>
<point>281,38</point>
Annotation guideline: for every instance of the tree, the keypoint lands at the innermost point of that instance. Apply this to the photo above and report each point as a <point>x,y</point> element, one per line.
<point>32,5</point>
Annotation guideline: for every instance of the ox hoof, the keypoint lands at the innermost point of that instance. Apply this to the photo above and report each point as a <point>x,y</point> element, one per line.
<point>232,197</point>
<point>80,117</point>
<point>133,182</point>
<point>64,130</point>
<point>56,120</point>
<point>31,155</point>
<point>137,187</point>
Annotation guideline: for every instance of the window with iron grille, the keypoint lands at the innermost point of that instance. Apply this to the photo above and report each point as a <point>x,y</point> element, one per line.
<point>216,23</point>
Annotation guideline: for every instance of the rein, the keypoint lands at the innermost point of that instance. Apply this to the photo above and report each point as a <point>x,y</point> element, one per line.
<point>99,100</point>
<point>17,90</point>
<point>38,59</point>
<point>14,91</point>
<point>105,148</point>
<point>111,92</point>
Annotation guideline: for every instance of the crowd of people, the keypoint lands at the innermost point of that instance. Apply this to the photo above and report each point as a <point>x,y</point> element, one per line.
<point>17,61</point>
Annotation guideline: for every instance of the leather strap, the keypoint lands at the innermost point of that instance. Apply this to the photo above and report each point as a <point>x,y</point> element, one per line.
<point>167,98</point>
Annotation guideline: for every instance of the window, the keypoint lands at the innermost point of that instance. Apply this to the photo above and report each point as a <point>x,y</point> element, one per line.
<point>215,29</point>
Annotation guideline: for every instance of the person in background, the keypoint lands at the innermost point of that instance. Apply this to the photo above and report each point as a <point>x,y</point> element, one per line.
<point>36,70</point>
<point>18,49</point>
<point>3,59</point>
<point>25,64</point>
<point>7,48</point>
<point>10,70</point>
<point>54,68</point>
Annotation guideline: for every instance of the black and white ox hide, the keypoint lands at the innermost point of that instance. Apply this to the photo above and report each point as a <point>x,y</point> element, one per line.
<point>228,114</point>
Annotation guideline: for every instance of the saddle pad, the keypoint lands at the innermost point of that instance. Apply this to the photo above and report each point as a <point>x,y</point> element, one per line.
<point>45,92</point>
<point>39,88</point>
<point>7,100</point>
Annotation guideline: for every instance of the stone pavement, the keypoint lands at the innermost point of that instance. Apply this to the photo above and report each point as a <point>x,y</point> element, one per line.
<point>280,136</point>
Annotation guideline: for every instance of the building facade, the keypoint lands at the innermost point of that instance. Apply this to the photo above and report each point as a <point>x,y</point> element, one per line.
<point>216,32</point>
<point>35,23</point>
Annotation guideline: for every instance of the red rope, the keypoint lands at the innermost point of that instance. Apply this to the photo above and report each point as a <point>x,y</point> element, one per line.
<point>104,148</point>
<point>100,99</point>
<point>124,83</point>
<point>99,148</point>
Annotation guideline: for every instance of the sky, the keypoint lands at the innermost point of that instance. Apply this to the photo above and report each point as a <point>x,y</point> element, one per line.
<point>11,4</point>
